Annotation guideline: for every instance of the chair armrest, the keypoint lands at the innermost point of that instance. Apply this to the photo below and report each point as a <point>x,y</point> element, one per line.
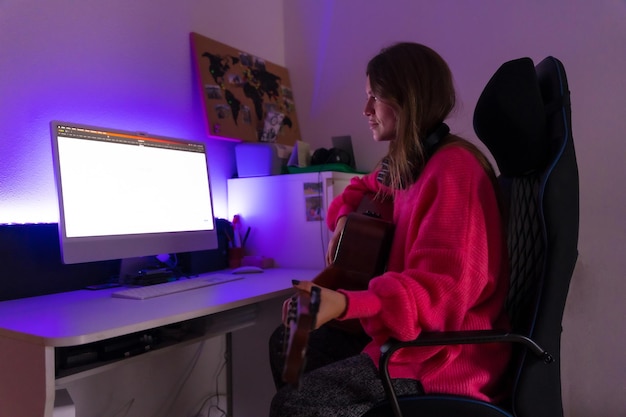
<point>464,338</point>
<point>449,338</point>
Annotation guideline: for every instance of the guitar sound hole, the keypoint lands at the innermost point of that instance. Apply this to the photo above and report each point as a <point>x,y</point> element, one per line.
<point>372,214</point>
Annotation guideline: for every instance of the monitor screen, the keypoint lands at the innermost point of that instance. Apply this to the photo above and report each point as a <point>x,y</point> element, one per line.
<point>127,194</point>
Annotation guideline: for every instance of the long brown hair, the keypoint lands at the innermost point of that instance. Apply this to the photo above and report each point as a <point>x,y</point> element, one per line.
<point>417,82</point>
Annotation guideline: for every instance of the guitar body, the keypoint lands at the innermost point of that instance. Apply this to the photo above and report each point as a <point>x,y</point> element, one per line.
<point>362,253</point>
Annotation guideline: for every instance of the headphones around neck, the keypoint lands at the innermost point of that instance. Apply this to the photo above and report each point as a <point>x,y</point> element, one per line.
<point>432,140</point>
<point>431,143</point>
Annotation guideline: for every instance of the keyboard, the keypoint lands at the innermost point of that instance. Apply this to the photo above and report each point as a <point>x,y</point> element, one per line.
<point>184,284</point>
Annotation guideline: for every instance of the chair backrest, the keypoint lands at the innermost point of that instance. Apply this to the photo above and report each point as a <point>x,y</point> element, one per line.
<point>523,117</point>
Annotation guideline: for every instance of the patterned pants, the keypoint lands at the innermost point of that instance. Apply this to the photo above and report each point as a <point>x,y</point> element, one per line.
<point>339,381</point>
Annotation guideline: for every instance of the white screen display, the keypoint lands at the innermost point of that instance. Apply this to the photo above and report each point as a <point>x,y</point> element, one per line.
<point>123,194</point>
<point>112,188</point>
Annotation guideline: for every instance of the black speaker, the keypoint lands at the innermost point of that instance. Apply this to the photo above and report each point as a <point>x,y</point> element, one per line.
<point>331,156</point>
<point>345,143</point>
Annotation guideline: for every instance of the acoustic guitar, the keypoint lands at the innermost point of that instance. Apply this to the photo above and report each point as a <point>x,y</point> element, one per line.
<point>361,254</point>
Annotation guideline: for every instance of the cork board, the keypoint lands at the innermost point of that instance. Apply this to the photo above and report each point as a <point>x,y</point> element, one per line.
<point>244,97</point>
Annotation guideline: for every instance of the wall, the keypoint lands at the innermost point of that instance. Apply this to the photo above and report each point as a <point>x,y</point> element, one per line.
<point>328,45</point>
<point>126,65</point>
<point>116,64</point>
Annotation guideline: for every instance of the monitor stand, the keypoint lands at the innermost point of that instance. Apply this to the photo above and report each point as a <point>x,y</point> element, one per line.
<point>147,270</point>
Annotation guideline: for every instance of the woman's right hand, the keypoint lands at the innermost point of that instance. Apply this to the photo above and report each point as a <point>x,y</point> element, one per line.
<point>334,240</point>
<point>332,304</point>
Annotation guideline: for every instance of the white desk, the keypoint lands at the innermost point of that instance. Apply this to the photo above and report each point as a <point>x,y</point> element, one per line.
<point>32,328</point>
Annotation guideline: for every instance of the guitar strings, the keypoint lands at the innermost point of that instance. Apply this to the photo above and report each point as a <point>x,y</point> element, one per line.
<point>291,317</point>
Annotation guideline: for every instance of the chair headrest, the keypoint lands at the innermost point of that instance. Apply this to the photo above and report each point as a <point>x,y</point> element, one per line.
<point>510,119</point>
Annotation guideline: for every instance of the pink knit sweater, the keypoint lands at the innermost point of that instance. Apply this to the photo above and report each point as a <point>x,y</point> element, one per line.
<point>447,271</point>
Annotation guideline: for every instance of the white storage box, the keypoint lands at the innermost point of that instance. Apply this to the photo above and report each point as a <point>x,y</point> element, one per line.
<point>257,159</point>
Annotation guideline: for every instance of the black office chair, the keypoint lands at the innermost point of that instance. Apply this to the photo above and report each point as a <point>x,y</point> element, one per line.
<point>523,116</point>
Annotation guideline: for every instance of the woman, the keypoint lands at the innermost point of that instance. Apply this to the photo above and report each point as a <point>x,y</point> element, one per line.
<point>447,267</point>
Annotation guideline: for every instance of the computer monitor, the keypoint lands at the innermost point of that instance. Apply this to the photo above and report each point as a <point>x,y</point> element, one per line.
<point>125,194</point>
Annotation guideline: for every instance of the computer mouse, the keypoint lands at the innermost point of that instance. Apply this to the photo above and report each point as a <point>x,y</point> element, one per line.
<point>247,270</point>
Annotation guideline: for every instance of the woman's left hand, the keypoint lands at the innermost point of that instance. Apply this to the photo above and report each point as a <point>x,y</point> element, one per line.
<point>332,303</point>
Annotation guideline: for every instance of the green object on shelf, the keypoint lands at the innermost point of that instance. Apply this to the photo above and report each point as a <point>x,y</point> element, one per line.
<point>338,167</point>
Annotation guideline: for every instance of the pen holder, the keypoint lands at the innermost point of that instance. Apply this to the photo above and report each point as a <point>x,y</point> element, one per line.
<point>234,257</point>
<point>260,261</point>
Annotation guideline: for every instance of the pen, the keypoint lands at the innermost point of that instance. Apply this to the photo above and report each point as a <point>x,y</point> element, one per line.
<point>237,231</point>
<point>230,239</point>
<point>245,238</point>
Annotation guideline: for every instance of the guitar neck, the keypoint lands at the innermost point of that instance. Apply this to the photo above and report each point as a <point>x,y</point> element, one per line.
<point>301,320</point>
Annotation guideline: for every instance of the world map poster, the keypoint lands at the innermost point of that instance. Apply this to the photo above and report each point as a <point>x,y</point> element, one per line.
<point>244,97</point>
